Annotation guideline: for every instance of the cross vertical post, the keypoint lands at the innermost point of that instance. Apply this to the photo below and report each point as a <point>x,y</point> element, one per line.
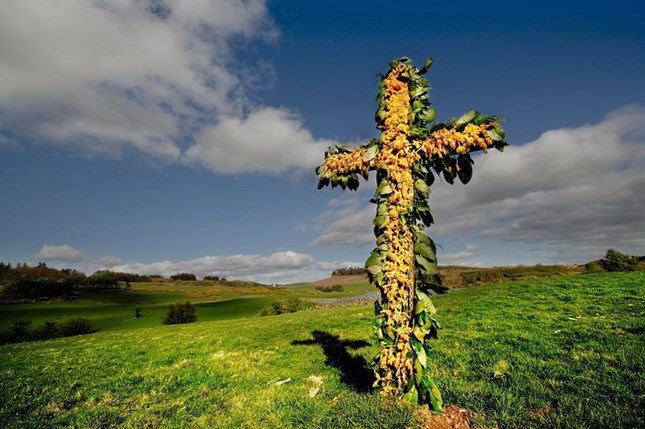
<point>403,266</point>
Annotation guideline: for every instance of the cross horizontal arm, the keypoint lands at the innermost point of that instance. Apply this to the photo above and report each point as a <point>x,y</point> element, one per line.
<point>343,165</point>
<point>450,142</point>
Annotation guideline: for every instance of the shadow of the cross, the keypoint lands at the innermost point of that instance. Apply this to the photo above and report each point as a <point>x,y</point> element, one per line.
<point>354,369</point>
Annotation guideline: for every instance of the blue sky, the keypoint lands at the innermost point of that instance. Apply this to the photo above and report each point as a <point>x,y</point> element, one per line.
<point>161,136</point>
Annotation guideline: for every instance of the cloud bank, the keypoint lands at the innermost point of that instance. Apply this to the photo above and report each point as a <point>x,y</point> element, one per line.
<point>570,194</point>
<point>158,78</point>
<point>278,267</point>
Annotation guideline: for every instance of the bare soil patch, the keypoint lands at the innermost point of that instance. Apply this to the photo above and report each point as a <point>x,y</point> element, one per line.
<point>453,417</point>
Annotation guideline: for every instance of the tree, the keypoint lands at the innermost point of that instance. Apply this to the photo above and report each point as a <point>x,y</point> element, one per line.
<point>180,313</point>
<point>617,261</point>
<point>102,280</point>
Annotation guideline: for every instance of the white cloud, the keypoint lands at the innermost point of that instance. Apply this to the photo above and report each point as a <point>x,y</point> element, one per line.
<point>569,195</point>
<point>463,257</point>
<point>279,267</point>
<point>103,77</point>
<point>266,140</point>
<point>108,262</point>
<point>348,222</point>
<point>64,253</point>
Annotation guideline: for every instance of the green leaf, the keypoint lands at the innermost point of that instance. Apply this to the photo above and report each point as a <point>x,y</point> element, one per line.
<point>417,346</point>
<point>374,269</point>
<point>449,176</point>
<point>435,397</point>
<point>373,263</point>
<point>346,148</point>
<point>500,131</point>
<point>418,332</point>
<point>428,267</point>
<point>384,188</point>
<point>426,302</point>
<point>429,115</point>
<point>496,134</point>
<point>382,210</point>
<point>422,212</point>
<point>381,221</point>
<point>421,186</point>
<point>422,238</point>
<point>418,372</point>
<point>389,332</point>
<point>352,182</point>
<point>434,328</point>
<point>412,395</point>
<point>425,250</point>
<point>426,66</point>
<point>482,119</point>
<point>465,172</point>
<point>465,118</point>
<point>387,340</point>
<point>423,320</point>
<point>418,91</point>
<point>418,308</point>
<point>370,153</point>
<point>379,116</point>
<point>380,278</point>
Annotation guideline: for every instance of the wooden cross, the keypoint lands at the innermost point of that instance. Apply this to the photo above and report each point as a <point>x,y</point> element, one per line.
<point>404,266</point>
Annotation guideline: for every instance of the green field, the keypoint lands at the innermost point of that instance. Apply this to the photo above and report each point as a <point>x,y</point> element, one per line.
<point>115,311</point>
<point>560,352</point>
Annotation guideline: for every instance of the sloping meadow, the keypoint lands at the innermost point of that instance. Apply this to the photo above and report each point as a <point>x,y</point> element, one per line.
<point>555,352</point>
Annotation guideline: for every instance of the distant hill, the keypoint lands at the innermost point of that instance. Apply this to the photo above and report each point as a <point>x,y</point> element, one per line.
<point>454,276</point>
<point>342,280</point>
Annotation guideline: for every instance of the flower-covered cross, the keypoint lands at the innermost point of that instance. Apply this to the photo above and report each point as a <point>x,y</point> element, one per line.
<point>406,156</point>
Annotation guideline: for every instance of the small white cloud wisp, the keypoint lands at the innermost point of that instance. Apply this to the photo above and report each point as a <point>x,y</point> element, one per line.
<point>62,253</point>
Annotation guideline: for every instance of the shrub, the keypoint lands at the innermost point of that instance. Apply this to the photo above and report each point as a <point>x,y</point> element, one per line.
<point>183,276</point>
<point>594,267</point>
<point>334,288</point>
<point>180,313</point>
<point>290,305</point>
<point>71,327</point>
<point>47,331</point>
<point>483,276</point>
<point>18,331</point>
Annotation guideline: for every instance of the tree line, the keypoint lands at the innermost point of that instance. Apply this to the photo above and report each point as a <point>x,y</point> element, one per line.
<point>24,282</point>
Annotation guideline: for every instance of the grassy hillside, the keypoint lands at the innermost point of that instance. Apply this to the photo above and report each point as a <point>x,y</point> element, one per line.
<point>456,276</point>
<point>115,311</point>
<point>556,352</point>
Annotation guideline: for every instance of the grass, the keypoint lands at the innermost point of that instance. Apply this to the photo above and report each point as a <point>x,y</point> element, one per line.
<point>561,352</point>
<point>117,311</point>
